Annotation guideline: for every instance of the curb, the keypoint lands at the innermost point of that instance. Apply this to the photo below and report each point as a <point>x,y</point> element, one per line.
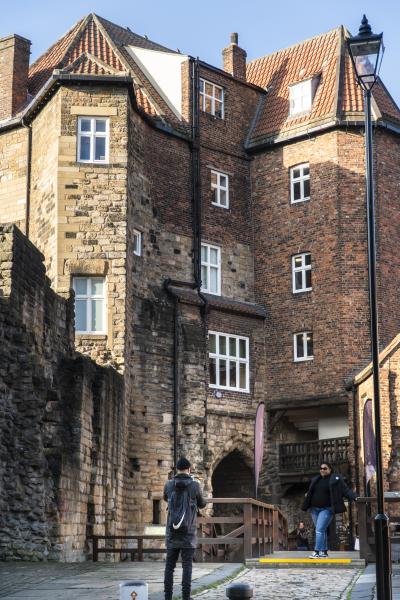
<point>364,587</point>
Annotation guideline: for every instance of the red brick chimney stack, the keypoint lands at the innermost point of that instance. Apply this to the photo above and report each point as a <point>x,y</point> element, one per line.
<point>234,58</point>
<point>14,66</point>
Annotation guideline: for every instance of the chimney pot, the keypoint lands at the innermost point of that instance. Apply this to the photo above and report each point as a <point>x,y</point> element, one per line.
<point>234,38</point>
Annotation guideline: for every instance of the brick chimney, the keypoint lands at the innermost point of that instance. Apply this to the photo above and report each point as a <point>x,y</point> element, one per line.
<point>234,58</point>
<point>14,66</point>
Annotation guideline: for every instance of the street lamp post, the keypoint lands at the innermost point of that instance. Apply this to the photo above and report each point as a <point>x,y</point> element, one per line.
<point>366,51</point>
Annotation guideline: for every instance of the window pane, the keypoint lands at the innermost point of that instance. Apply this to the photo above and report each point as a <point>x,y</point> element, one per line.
<point>222,372</point>
<point>298,261</point>
<point>213,280</point>
<point>207,105</point>
<point>218,93</point>
<point>218,109</point>
<point>80,287</point>
<point>213,256</point>
<point>308,279</point>
<point>213,371</point>
<point>222,345</point>
<point>306,170</point>
<point>85,124</point>
<point>100,125</point>
<point>232,374</point>
<point>97,286</point>
<point>100,148</point>
<point>242,349</point>
<point>298,280</point>
<point>242,376</point>
<point>212,343</point>
<point>97,315</point>
<point>222,197</point>
<point>232,346</point>
<point>222,180</point>
<point>307,259</point>
<point>310,349</point>
<point>80,315</point>
<point>204,253</point>
<point>297,191</point>
<point>85,148</point>
<point>204,278</point>
<point>299,346</point>
<point>306,188</point>
<point>208,88</point>
<point>213,178</point>
<point>296,173</point>
<point>201,85</point>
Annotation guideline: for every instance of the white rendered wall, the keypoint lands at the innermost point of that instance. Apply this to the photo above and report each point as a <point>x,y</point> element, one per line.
<point>332,427</point>
<point>164,71</point>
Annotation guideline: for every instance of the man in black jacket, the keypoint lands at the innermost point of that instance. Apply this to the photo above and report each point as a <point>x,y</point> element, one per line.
<point>181,542</point>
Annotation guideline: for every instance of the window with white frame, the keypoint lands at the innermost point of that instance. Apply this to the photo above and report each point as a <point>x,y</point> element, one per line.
<point>301,272</point>
<point>300,97</point>
<point>93,139</point>
<point>90,305</point>
<point>300,183</point>
<point>228,361</point>
<point>211,269</point>
<point>303,346</point>
<point>220,189</point>
<point>137,242</point>
<point>211,98</point>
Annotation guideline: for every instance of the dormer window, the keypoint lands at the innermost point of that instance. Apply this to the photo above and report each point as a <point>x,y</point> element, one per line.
<point>301,96</point>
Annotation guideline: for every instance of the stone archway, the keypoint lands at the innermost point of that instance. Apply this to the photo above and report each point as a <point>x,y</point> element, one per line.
<point>232,477</point>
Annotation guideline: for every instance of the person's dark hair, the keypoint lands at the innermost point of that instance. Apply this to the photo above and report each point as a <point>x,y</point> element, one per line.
<point>327,464</point>
<point>183,464</point>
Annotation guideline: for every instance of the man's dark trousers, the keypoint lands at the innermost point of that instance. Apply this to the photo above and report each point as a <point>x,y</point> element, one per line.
<point>187,560</point>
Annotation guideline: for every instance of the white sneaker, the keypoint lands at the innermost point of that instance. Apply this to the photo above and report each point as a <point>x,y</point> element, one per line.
<point>323,555</point>
<point>314,555</point>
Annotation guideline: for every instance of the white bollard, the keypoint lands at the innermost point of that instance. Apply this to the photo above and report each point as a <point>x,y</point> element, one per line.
<point>133,590</point>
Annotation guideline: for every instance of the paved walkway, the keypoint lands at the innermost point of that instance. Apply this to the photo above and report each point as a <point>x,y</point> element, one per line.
<point>100,581</point>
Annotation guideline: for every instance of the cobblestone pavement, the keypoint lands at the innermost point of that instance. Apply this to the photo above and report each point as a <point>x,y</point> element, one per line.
<point>293,584</point>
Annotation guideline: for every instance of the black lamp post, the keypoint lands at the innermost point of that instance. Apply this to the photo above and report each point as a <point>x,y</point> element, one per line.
<point>366,51</point>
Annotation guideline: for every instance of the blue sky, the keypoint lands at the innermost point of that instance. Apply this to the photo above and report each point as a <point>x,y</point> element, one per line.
<point>202,28</point>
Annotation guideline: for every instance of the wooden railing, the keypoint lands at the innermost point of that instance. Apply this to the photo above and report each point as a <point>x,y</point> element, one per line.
<point>255,529</point>
<point>367,509</point>
<point>305,457</point>
<point>243,528</point>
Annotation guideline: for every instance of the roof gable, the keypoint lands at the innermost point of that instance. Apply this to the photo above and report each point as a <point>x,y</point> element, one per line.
<point>337,95</point>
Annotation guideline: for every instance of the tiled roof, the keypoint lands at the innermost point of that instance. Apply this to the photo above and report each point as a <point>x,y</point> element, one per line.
<point>337,94</point>
<point>95,46</point>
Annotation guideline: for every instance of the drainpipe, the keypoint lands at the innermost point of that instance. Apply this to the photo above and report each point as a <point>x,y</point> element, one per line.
<point>28,176</point>
<point>196,231</point>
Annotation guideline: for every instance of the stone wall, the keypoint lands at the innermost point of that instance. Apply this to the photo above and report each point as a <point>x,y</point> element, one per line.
<point>62,452</point>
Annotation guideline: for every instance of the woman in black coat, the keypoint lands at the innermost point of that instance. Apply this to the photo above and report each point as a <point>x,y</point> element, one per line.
<point>325,499</point>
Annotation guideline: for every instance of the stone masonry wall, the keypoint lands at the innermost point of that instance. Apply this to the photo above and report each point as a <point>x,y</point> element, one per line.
<point>62,449</point>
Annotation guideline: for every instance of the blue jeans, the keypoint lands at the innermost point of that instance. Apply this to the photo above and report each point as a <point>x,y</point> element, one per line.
<point>321,518</point>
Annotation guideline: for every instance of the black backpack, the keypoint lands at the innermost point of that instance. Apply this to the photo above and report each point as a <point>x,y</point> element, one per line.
<point>181,510</point>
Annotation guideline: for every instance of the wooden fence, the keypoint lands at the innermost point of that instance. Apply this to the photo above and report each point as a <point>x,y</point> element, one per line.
<point>239,528</point>
<point>366,514</point>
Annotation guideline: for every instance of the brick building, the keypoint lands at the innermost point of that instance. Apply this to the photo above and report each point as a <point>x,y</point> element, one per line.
<point>211,223</point>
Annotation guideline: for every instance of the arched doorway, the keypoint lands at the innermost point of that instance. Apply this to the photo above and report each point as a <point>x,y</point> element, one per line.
<point>233,478</point>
